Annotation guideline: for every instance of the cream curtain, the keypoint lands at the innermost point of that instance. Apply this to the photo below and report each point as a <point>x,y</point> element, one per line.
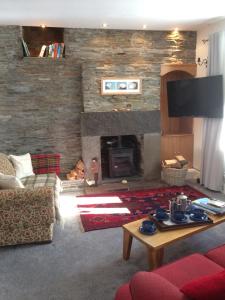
<point>212,163</point>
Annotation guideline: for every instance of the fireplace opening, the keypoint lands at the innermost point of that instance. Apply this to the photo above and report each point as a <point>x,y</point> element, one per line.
<point>121,156</point>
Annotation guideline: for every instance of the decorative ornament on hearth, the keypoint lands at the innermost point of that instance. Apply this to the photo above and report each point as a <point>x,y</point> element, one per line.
<point>78,171</point>
<point>95,169</point>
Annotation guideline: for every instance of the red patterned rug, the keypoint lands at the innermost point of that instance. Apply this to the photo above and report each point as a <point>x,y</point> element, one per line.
<point>101,211</point>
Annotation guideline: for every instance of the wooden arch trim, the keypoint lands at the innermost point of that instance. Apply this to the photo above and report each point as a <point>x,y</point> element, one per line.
<point>187,68</point>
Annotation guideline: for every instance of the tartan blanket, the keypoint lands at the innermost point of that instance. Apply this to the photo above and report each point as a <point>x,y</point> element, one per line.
<point>46,163</point>
<point>40,180</point>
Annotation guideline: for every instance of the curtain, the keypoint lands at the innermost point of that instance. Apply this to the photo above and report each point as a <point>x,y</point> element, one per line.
<point>212,163</point>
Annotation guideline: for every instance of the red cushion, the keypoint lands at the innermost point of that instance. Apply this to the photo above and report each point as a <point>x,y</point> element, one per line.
<point>123,293</point>
<point>46,163</point>
<point>150,286</point>
<point>210,287</point>
<point>217,255</point>
<point>188,268</point>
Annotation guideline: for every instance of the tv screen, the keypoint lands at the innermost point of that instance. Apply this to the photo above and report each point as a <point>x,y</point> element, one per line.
<point>196,97</point>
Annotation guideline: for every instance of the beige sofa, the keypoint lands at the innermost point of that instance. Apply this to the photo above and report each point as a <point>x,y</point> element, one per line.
<point>27,214</point>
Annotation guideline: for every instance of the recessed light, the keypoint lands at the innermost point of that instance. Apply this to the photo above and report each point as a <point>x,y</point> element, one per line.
<point>104,25</point>
<point>43,26</point>
<point>144,26</point>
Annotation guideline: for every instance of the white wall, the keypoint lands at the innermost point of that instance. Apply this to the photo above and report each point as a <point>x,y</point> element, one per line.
<point>202,52</point>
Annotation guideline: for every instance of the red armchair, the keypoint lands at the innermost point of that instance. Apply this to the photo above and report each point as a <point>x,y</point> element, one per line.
<point>164,283</point>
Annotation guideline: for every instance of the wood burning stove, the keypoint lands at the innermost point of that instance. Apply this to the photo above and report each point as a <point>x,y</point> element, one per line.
<point>120,156</point>
<point>121,162</point>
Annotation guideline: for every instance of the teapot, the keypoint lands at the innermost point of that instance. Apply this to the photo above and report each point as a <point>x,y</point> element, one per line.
<point>182,200</point>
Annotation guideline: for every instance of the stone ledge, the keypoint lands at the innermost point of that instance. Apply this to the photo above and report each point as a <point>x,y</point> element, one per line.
<point>120,123</point>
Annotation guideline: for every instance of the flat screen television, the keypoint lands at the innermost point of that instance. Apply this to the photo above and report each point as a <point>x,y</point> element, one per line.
<point>196,97</point>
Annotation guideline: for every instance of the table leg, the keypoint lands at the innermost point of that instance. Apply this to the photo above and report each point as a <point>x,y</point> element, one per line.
<point>127,243</point>
<point>155,257</point>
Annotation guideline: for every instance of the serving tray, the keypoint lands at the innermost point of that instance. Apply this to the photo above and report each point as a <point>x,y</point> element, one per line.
<point>170,225</point>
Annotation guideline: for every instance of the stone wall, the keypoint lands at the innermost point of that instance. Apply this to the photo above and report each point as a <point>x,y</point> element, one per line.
<point>40,102</point>
<point>129,54</point>
<point>41,99</point>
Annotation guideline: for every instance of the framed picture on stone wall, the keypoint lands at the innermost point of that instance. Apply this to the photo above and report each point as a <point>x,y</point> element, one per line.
<point>120,86</point>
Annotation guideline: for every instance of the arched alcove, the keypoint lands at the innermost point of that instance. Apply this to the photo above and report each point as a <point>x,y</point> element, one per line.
<point>177,133</point>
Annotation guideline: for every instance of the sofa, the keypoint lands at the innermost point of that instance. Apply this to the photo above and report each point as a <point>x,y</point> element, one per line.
<point>166,282</point>
<point>28,214</point>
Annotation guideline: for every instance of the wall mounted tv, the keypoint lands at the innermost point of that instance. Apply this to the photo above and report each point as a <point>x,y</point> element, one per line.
<point>196,97</point>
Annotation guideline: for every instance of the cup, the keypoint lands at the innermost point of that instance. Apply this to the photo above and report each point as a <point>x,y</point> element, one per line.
<point>148,226</point>
<point>198,212</point>
<point>161,213</point>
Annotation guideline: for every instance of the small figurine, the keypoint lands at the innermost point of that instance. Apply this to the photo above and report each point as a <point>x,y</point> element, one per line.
<point>95,169</point>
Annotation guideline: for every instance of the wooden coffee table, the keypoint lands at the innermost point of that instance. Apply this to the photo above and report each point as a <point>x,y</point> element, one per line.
<point>155,243</point>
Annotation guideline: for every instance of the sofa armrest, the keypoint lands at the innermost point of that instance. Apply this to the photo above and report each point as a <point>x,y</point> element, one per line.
<point>22,208</point>
<point>148,285</point>
<point>42,196</point>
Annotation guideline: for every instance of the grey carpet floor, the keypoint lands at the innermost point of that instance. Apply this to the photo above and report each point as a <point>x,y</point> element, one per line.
<point>83,266</point>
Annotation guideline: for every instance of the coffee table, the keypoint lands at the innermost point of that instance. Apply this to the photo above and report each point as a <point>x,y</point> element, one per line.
<point>156,243</point>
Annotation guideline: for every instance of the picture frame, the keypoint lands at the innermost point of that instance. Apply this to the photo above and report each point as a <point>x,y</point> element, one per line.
<point>121,86</point>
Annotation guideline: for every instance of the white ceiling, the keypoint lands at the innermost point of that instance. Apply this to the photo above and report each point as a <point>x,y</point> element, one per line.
<point>118,14</point>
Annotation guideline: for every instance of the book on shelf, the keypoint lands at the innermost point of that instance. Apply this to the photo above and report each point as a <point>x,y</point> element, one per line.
<point>46,51</point>
<point>50,50</point>
<point>42,52</point>
<point>58,50</point>
<point>55,50</point>
<point>26,51</point>
<point>211,205</point>
<point>62,50</point>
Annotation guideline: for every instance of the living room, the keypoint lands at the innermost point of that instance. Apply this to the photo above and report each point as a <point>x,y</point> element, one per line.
<point>56,109</point>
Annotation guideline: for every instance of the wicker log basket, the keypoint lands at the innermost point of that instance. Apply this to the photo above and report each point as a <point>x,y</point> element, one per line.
<point>174,176</point>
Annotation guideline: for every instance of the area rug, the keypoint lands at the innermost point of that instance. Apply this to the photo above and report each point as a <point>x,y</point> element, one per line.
<point>101,211</point>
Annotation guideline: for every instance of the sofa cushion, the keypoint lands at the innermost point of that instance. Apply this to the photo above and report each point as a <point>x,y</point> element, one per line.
<point>188,268</point>
<point>209,287</point>
<point>217,255</point>
<point>10,182</point>
<point>22,165</point>
<point>46,163</point>
<point>6,166</point>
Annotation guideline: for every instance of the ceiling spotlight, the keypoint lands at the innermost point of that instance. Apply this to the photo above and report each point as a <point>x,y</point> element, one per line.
<point>144,26</point>
<point>43,26</point>
<point>104,25</point>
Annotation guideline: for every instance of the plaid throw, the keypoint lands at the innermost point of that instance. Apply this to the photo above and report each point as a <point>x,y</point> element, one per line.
<point>46,163</point>
<point>35,181</point>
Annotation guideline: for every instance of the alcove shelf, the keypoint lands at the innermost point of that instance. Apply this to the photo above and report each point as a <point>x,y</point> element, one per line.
<point>177,133</point>
<point>36,37</point>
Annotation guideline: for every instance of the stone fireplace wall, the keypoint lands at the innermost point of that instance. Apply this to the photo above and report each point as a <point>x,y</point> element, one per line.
<point>41,99</point>
<point>131,54</point>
